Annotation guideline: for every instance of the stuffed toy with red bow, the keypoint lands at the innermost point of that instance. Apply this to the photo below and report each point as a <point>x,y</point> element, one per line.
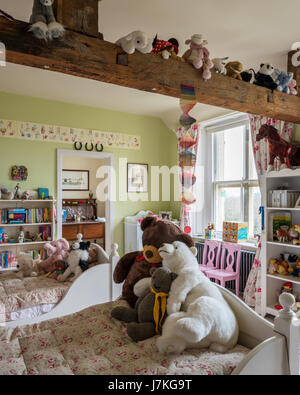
<point>167,49</point>
<point>136,265</point>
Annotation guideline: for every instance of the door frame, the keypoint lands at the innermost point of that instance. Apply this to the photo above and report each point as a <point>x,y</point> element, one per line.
<point>109,161</point>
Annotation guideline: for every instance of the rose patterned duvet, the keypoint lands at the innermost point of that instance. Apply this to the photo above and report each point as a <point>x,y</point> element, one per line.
<point>19,294</point>
<point>91,342</point>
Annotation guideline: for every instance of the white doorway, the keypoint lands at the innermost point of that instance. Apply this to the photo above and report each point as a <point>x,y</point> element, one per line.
<point>103,158</point>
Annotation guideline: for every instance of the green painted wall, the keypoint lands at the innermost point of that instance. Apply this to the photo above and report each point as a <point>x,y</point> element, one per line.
<point>158,146</point>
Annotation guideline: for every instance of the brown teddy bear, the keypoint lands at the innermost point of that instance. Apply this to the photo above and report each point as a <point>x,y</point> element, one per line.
<point>136,265</point>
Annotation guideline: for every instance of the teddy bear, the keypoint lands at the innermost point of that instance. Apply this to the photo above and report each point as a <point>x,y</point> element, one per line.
<point>135,266</point>
<point>147,318</point>
<point>219,65</point>
<point>57,251</point>
<point>43,22</point>
<point>78,260</point>
<point>198,55</point>
<point>198,315</point>
<point>264,77</point>
<point>136,40</point>
<point>27,266</point>
<point>282,79</point>
<point>234,69</point>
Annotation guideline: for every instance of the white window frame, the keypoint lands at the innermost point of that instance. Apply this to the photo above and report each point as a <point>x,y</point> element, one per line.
<point>210,128</point>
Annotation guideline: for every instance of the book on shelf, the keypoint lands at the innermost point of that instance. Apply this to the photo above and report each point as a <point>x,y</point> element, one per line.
<point>283,198</point>
<point>25,216</point>
<point>7,260</point>
<point>277,220</point>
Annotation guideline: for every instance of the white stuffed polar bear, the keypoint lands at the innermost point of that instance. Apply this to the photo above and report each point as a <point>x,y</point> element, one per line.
<point>205,319</point>
<point>136,40</point>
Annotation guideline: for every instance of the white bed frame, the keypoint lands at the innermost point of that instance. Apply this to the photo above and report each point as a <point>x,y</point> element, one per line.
<point>274,347</point>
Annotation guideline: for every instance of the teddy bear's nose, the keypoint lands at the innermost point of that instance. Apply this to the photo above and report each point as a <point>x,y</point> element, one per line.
<point>149,254</point>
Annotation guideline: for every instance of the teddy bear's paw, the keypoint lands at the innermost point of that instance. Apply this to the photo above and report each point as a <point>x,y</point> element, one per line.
<point>40,30</point>
<point>124,314</point>
<point>216,347</point>
<point>56,30</point>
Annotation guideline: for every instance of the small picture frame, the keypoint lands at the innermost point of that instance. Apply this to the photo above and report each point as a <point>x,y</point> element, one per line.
<point>19,173</point>
<point>167,215</point>
<point>75,180</point>
<point>137,178</point>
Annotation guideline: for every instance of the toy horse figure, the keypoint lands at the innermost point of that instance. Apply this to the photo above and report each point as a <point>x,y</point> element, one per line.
<point>288,153</point>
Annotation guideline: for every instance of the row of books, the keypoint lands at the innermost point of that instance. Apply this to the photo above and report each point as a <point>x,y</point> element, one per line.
<point>283,198</point>
<point>45,232</point>
<point>25,216</point>
<point>7,260</point>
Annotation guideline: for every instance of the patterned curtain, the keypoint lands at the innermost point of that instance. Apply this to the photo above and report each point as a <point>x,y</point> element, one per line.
<point>187,158</point>
<point>252,292</point>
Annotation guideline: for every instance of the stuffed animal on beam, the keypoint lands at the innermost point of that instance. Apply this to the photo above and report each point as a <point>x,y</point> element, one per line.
<point>43,22</point>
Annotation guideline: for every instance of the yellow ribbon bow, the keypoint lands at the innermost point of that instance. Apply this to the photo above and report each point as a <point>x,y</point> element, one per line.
<point>157,320</point>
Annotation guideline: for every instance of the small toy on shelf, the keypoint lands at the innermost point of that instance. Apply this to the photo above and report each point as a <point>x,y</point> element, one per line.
<point>198,55</point>
<point>6,194</point>
<point>273,266</point>
<point>18,193</point>
<point>166,49</point>
<point>282,268</point>
<point>282,79</point>
<point>264,77</point>
<point>282,234</point>
<point>293,88</point>
<point>294,234</point>
<point>21,235</point>
<point>136,40</point>
<point>234,70</point>
<point>220,65</point>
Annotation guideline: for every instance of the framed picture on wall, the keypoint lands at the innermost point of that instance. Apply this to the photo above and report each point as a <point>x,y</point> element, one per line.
<point>75,180</point>
<point>137,177</point>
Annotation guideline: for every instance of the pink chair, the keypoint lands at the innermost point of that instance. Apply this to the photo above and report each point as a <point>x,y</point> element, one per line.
<point>230,266</point>
<point>211,256</point>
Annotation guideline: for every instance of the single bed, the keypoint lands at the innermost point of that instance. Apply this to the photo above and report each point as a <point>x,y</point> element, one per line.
<point>89,341</point>
<point>29,297</point>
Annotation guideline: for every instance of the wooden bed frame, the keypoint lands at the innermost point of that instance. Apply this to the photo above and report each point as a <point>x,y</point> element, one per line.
<point>274,347</point>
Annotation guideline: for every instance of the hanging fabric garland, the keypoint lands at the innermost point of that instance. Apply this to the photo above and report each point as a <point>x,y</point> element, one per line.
<point>187,154</point>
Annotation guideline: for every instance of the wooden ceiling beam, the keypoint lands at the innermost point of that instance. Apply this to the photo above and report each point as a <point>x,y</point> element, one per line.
<point>89,57</point>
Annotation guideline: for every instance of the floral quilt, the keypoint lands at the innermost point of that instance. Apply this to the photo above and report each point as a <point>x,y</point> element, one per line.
<point>91,342</point>
<point>17,294</point>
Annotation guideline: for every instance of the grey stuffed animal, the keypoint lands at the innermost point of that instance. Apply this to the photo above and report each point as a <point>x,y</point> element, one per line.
<point>43,22</point>
<point>142,323</point>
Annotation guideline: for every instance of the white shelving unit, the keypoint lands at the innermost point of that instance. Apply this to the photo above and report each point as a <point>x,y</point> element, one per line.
<point>272,249</point>
<point>33,228</point>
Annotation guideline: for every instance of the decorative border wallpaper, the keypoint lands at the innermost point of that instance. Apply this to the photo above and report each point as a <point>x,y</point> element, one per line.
<point>67,135</point>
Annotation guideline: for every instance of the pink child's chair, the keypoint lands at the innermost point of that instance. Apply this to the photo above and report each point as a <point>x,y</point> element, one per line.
<point>230,266</point>
<point>211,256</point>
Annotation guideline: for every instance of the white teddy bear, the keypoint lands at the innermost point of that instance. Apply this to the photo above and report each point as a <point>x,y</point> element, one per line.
<point>198,315</point>
<point>136,40</point>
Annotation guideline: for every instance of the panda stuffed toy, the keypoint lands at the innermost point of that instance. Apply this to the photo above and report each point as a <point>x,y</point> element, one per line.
<point>264,77</point>
<point>78,260</point>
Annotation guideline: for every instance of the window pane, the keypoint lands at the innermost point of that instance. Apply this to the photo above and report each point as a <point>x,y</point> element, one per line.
<point>252,168</point>
<point>228,205</point>
<point>254,217</point>
<point>229,151</point>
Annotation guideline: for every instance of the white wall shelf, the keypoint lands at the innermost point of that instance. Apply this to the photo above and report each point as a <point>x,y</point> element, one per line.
<point>271,249</point>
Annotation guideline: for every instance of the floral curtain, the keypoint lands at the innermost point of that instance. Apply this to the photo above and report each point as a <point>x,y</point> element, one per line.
<point>252,292</point>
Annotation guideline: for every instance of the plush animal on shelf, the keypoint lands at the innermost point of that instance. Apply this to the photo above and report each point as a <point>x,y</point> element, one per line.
<point>43,22</point>
<point>198,315</point>
<point>219,65</point>
<point>293,88</point>
<point>57,251</point>
<point>282,79</point>
<point>147,318</point>
<point>282,234</point>
<point>234,69</point>
<point>27,266</point>
<point>248,76</point>
<point>264,77</point>
<point>287,153</point>
<point>198,55</point>
<point>135,266</point>
<point>6,194</point>
<point>273,266</point>
<point>136,40</point>
<point>78,260</point>
<point>167,49</point>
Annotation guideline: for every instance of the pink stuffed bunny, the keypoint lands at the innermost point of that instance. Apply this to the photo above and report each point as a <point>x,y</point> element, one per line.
<point>57,251</point>
<point>292,87</point>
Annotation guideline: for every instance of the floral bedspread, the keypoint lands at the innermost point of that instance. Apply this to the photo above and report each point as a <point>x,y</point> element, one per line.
<point>17,294</point>
<point>92,342</point>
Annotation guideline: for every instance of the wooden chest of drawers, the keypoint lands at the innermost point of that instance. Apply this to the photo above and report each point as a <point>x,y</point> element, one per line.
<point>89,230</point>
